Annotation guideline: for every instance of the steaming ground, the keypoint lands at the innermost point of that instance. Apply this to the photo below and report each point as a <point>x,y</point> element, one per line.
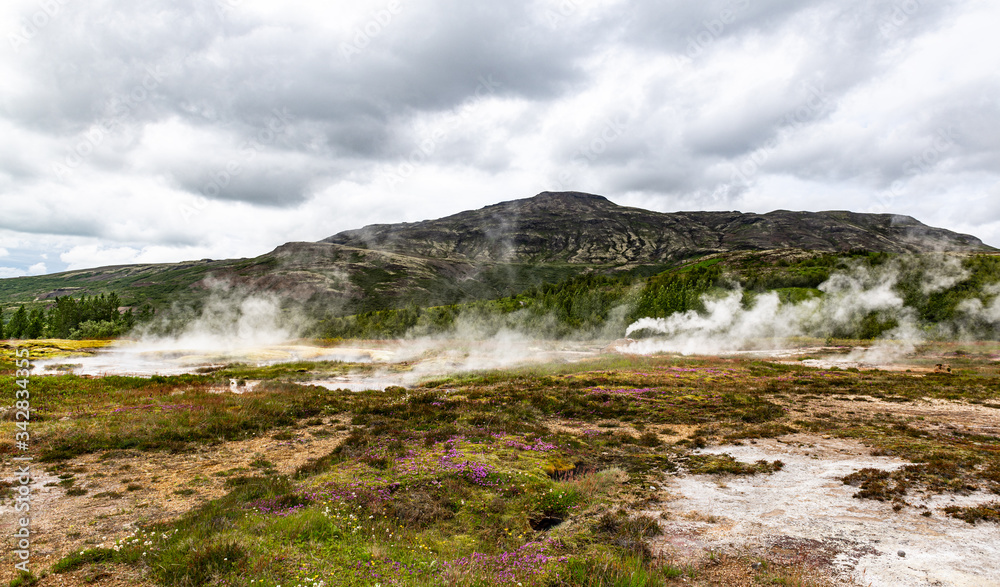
<point>237,326</point>
<point>396,363</point>
<point>144,360</point>
<point>405,363</point>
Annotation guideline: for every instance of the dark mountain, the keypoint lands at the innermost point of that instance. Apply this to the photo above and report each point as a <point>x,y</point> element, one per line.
<point>572,227</point>
<point>493,252</point>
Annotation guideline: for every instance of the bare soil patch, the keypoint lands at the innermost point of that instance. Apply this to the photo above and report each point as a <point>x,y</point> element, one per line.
<point>804,515</point>
<point>128,489</point>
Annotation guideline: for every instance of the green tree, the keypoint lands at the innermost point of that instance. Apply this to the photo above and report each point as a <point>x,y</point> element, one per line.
<point>63,317</point>
<point>36,324</point>
<point>146,313</point>
<point>1,323</point>
<point>18,323</point>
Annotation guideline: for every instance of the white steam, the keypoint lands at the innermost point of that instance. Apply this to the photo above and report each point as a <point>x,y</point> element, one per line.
<point>948,272</point>
<point>978,310</point>
<point>725,326</point>
<point>476,345</point>
<point>233,325</point>
<point>236,325</point>
<point>230,319</point>
<point>848,298</point>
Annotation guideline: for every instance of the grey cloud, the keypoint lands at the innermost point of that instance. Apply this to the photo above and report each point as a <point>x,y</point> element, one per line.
<point>261,186</point>
<point>221,75</point>
<point>148,61</point>
<point>696,28</point>
<point>52,222</point>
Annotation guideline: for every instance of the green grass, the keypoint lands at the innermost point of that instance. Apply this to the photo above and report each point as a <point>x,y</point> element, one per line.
<point>618,571</point>
<point>440,485</point>
<point>79,415</point>
<point>77,560</point>
<point>24,580</point>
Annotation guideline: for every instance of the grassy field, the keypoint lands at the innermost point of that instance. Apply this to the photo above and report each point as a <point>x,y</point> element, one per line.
<point>534,476</point>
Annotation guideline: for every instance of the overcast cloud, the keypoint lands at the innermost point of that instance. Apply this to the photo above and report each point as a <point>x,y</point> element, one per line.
<point>156,131</point>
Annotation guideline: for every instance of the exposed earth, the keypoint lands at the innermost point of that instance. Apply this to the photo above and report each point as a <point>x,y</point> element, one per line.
<point>804,513</point>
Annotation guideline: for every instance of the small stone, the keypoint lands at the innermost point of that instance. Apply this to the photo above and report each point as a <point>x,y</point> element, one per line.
<point>901,553</point>
<point>755,566</point>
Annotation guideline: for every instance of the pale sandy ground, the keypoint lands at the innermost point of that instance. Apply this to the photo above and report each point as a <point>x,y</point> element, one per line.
<point>804,513</point>
<point>143,360</point>
<point>397,363</point>
<point>63,523</point>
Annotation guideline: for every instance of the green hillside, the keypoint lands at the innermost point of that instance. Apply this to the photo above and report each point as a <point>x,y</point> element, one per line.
<point>577,260</point>
<point>606,304</point>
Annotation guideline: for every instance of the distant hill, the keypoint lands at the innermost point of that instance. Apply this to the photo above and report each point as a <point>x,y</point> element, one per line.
<point>496,251</point>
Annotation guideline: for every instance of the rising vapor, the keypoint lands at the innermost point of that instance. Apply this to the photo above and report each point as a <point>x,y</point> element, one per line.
<point>848,297</point>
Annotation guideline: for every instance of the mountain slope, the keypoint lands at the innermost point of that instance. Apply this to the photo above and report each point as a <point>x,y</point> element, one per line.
<point>497,251</point>
<point>572,227</point>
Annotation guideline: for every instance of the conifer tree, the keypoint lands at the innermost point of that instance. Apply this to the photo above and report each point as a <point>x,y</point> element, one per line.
<point>18,323</point>
<point>36,324</point>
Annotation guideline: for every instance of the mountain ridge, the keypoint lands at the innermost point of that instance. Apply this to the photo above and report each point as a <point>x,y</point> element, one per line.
<point>493,252</point>
<point>524,230</point>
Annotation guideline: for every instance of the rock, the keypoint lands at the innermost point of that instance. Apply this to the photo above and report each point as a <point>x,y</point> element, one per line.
<point>755,566</point>
<point>901,554</point>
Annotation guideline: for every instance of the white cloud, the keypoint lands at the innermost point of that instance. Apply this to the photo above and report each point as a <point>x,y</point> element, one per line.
<point>139,150</point>
<point>37,269</point>
<point>6,272</point>
<point>84,256</point>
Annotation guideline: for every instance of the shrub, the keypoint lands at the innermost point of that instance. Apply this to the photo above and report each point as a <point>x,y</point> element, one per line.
<point>987,512</point>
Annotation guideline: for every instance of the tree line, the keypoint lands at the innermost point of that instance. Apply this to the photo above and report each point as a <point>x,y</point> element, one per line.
<point>591,305</point>
<point>84,318</point>
<point>603,304</point>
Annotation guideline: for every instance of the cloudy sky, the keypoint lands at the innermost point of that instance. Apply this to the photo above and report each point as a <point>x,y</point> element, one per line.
<point>166,130</point>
